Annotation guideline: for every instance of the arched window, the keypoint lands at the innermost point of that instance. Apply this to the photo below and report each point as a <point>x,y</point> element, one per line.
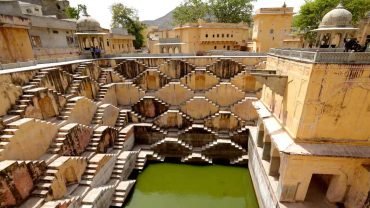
<point>215,47</point>
<point>227,35</point>
<point>218,35</point>
<point>213,35</point>
<point>206,35</point>
<point>223,35</point>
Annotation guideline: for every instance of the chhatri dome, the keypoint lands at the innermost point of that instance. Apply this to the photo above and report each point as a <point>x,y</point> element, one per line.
<point>338,17</point>
<point>87,23</point>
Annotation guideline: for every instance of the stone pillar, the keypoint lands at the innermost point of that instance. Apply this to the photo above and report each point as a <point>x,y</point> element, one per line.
<point>260,133</point>
<point>266,147</point>
<point>337,188</point>
<point>274,161</point>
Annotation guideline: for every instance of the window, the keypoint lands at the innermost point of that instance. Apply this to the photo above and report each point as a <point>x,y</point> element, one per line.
<point>107,43</point>
<point>206,35</point>
<point>223,35</point>
<point>36,41</point>
<point>215,47</point>
<point>227,35</point>
<point>113,46</point>
<point>29,11</point>
<point>232,35</point>
<point>224,46</point>
<point>58,6</point>
<point>70,40</point>
<point>213,35</point>
<point>271,31</point>
<point>55,32</point>
<point>37,9</point>
<point>218,35</point>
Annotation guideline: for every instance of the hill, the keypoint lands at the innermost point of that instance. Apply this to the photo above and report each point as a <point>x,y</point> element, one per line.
<point>164,22</point>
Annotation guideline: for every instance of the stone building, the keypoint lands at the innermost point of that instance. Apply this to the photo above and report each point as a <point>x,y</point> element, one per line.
<point>54,8</point>
<point>111,42</point>
<point>312,143</point>
<point>200,37</point>
<point>271,26</point>
<point>50,39</point>
<point>14,40</point>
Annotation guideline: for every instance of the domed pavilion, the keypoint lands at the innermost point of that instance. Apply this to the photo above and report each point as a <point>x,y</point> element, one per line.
<point>334,27</point>
<point>111,42</point>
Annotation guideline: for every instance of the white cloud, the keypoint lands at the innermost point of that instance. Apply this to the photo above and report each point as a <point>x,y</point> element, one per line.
<point>153,9</point>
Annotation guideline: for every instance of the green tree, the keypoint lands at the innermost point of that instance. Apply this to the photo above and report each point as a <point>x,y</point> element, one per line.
<point>190,11</point>
<point>227,11</point>
<point>75,12</point>
<point>312,12</point>
<point>126,17</point>
<point>232,11</point>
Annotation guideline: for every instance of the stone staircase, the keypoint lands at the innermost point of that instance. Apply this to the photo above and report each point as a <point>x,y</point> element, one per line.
<point>44,187</point>
<point>66,143</point>
<point>122,168</point>
<point>222,141</point>
<point>69,202</point>
<point>121,193</point>
<point>122,119</point>
<point>171,140</point>
<point>92,169</point>
<point>196,158</point>
<point>243,160</point>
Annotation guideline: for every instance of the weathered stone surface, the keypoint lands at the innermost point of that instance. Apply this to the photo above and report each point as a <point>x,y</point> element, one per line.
<point>72,140</point>
<point>200,80</point>
<point>27,139</point>
<point>224,122</point>
<point>151,79</point>
<point>128,94</point>
<point>176,69</point>
<point>175,93</point>
<point>82,112</point>
<point>172,119</point>
<point>17,180</point>
<point>225,94</point>
<point>192,108</point>
<point>245,110</point>
<point>226,68</point>
<point>9,94</point>
<point>150,107</point>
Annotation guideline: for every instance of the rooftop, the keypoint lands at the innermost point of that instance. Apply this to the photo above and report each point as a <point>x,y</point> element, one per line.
<point>321,55</point>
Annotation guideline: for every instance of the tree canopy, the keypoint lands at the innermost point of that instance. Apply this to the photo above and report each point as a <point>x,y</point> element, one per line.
<point>126,17</point>
<point>75,12</point>
<point>227,11</point>
<point>190,11</point>
<point>312,12</point>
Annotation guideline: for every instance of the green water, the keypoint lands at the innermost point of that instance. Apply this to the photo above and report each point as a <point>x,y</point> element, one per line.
<point>185,186</point>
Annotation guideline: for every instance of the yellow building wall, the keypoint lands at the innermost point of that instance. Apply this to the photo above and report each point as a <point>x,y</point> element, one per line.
<point>270,30</point>
<point>322,102</point>
<point>15,45</point>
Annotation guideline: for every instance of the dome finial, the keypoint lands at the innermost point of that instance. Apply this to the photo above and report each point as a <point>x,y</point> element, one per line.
<point>340,5</point>
<point>284,5</point>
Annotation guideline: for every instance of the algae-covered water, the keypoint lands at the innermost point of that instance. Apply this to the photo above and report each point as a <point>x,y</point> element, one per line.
<point>186,186</point>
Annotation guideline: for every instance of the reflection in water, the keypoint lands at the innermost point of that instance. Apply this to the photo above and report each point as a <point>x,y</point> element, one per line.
<point>185,186</point>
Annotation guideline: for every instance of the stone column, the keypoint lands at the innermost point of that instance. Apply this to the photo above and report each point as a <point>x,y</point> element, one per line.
<point>266,147</point>
<point>274,161</point>
<point>337,188</point>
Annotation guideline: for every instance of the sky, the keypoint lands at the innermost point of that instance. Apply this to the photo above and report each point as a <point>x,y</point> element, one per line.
<point>153,9</point>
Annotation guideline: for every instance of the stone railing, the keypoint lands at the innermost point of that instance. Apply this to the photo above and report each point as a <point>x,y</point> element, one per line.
<point>322,55</point>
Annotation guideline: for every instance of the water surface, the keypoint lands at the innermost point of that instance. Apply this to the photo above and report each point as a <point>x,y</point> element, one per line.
<point>186,186</point>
